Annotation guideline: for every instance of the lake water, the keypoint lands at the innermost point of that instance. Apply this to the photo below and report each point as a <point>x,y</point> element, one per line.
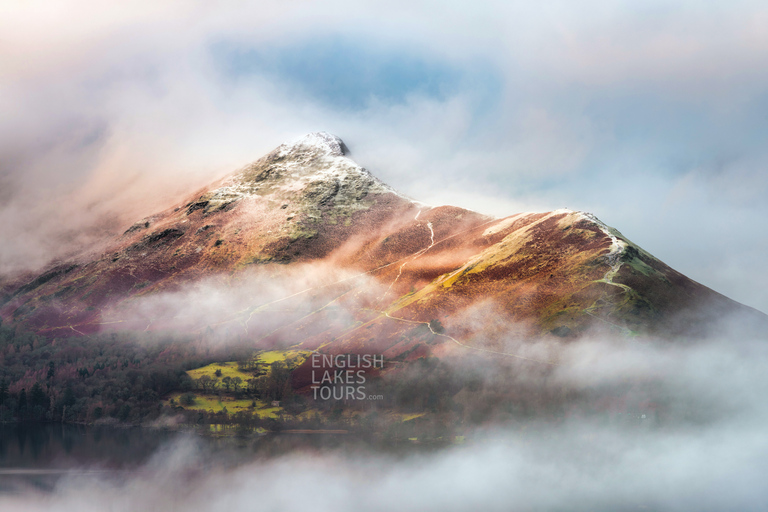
<point>38,455</point>
<point>35,457</point>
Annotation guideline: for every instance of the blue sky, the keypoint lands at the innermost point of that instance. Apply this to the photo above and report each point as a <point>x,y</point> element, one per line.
<point>652,115</point>
<point>343,72</point>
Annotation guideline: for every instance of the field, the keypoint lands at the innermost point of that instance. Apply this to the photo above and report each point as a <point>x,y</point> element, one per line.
<point>228,369</point>
<point>214,403</point>
<point>231,369</point>
<point>281,355</point>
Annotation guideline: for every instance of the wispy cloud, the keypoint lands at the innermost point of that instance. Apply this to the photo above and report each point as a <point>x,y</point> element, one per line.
<point>652,116</point>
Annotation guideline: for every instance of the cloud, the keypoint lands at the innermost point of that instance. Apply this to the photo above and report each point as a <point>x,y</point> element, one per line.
<point>260,307</point>
<point>652,116</point>
<point>706,450</point>
<point>496,106</point>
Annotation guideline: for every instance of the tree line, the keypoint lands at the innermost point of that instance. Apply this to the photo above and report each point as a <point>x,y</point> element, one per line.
<point>87,378</point>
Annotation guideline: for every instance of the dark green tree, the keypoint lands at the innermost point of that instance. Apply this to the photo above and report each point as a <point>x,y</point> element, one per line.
<point>3,391</point>
<point>236,383</point>
<point>38,402</point>
<point>278,377</point>
<point>38,397</point>
<point>21,407</point>
<point>206,383</point>
<point>69,397</point>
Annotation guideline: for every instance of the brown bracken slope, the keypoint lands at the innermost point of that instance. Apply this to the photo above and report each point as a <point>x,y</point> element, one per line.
<point>379,272</point>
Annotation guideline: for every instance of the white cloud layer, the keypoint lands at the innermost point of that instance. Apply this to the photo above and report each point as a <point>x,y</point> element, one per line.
<point>708,451</point>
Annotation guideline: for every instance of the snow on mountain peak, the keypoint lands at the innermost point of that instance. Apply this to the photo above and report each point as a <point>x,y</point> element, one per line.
<point>322,142</point>
<point>312,170</point>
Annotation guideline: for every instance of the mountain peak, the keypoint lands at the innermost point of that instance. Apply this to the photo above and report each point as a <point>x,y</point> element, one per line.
<point>322,143</point>
<point>557,273</point>
<point>312,172</point>
<point>313,162</point>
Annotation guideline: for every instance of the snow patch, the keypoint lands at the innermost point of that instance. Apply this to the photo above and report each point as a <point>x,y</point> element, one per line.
<point>617,244</point>
<point>323,142</point>
<point>616,250</point>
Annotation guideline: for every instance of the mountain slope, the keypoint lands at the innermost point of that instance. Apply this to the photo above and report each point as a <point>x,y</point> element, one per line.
<point>355,266</point>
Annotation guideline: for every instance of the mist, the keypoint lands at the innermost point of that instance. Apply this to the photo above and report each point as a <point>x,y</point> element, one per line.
<point>283,304</point>
<point>705,451</point>
<point>648,116</point>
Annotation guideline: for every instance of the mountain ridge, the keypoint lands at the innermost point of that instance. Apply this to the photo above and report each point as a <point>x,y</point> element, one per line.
<point>561,273</point>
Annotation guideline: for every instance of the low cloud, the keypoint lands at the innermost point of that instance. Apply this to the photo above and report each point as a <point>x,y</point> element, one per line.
<point>262,307</point>
<point>706,450</point>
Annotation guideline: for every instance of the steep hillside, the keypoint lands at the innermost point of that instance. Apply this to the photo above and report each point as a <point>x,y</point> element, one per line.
<point>355,266</point>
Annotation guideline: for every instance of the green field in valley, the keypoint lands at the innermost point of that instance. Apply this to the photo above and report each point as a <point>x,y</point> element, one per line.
<point>215,403</point>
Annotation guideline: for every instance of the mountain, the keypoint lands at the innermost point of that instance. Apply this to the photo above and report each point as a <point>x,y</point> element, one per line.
<point>354,266</point>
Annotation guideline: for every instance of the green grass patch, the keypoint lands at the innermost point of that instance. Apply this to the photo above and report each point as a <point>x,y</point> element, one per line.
<point>268,411</point>
<point>214,403</point>
<point>640,266</point>
<point>228,369</point>
<point>273,356</point>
